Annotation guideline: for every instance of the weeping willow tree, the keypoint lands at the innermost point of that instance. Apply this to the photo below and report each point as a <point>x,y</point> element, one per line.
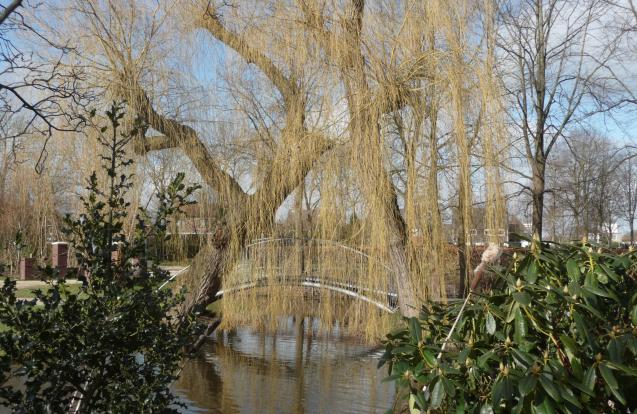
<point>33,201</point>
<point>388,110</point>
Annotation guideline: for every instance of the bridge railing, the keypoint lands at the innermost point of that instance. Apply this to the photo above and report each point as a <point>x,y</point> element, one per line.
<point>315,263</point>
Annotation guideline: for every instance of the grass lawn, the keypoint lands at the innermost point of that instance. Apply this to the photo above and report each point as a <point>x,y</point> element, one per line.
<point>28,292</point>
<point>184,263</point>
<point>214,307</point>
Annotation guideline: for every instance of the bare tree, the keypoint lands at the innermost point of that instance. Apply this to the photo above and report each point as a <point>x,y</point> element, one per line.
<point>584,185</point>
<point>38,90</point>
<point>8,9</point>
<point>556,72</point>
<point>627,194</point>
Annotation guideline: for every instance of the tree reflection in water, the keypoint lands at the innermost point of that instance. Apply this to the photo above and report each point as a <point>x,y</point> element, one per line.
<point>296,370</point>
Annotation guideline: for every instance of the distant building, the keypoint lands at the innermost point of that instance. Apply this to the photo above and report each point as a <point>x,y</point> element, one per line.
<point>603,236</point>
<point>194,226</point>
<point>196,220</point>
<point>511,233</point>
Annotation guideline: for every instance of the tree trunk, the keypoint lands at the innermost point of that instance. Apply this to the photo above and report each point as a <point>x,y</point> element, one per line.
<point>367,141</point>
<point>435,228</point>
<point>379,190</point>
<point>463,246</point>
<point>399,264</point>
<point>4,173</point>
<point>462,265</point>
<point>537,194</point>
<point>398,257</point>
<point>204,277</point>
<point>631,202</point>
<point>539,159</point>
<point>298,229</point>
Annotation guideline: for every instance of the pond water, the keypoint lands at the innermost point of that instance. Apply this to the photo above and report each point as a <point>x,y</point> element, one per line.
<point>296,370</point>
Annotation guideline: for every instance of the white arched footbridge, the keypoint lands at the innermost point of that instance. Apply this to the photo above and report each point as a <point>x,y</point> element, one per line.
<point>313,264</point>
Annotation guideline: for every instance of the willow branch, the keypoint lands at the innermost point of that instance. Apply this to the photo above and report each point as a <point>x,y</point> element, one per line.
<point>154,143</point>
<point>4,14</point>
<point>178,135</point>
<point>289,168</point>
<point>213,25</point>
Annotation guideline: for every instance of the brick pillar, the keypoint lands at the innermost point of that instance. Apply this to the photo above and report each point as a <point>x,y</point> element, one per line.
<point>28,268</point>
<point>115,256</point>
<point>60,257</point>
<point>116,253</point>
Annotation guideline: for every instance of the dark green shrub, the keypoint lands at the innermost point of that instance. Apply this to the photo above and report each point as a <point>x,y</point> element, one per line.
<point>556,334</point>
<point>117,345</point>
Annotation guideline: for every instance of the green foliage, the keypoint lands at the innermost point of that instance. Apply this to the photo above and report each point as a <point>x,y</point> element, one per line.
<point>116,344</point>
<point>18,241</point>
<point>557,334</point>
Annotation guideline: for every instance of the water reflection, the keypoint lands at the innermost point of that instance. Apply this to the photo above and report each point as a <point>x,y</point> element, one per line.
<point>294,371</point>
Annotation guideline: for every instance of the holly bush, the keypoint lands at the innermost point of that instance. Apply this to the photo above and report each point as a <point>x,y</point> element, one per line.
<point>556,333</point>
<point>116,346</point>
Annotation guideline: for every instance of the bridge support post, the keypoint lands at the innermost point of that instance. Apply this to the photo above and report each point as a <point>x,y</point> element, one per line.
<point>298,229</point>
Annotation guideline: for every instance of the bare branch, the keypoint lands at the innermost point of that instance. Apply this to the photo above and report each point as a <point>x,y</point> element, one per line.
<point>4,14</point>
<point>212,24</point>
<point>177,135</point>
